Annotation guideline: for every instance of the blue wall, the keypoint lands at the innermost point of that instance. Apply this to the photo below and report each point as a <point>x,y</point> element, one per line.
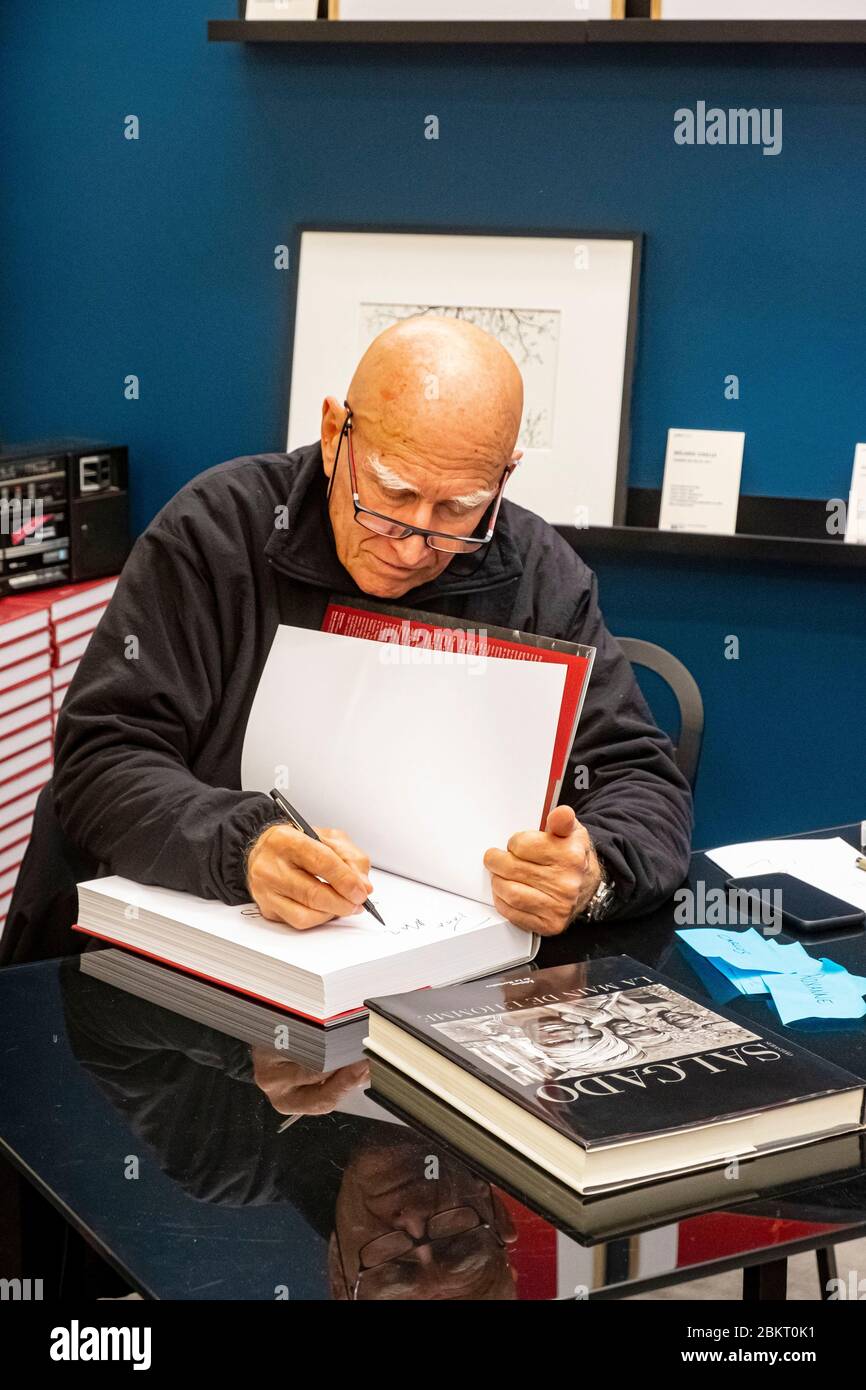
<point>155,257</point>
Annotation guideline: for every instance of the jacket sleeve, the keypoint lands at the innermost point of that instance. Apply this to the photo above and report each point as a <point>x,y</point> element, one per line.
<point>621,777</point>
<point>136,711</point>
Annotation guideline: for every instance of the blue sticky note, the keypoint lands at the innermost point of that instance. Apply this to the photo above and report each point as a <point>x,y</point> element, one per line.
<point>824,994</point>
<point>794,959</point>
<point>832,967</point>
<point>717,985</point>
<point>800,986</point>
<point>745,949</point>
<point>743,981</point>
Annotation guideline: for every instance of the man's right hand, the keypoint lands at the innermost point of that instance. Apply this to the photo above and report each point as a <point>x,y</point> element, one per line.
<point>286,869</point>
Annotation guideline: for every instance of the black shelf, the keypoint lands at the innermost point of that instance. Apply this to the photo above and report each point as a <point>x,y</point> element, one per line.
<point>573,32</point>
<point>769,529</point>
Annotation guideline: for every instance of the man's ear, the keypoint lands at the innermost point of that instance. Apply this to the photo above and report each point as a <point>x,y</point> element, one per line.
<point>333,419</point>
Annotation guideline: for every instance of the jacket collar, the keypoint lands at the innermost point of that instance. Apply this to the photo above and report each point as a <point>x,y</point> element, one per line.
<point>304,548</point>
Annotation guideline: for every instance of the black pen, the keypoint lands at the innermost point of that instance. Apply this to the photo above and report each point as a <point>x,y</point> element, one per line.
<point>296,819</point>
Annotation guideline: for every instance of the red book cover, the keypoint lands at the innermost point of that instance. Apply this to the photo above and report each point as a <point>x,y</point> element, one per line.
<point>19,619</point>
<point>74,598</point>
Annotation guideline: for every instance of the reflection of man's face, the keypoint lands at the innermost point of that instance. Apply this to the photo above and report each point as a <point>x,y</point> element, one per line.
<point>385,1189</point>
<point>562,1038</point>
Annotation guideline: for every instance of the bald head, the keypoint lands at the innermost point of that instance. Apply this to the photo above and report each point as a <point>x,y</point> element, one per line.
<point>443,384</point>
<point>436,409</point>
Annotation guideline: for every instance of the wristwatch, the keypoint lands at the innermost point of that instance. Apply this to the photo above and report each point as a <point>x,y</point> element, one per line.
<point>601,903</point>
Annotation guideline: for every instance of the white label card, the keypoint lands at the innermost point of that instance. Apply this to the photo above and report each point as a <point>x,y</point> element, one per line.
<point>701,489</point>
<point>855,529</point>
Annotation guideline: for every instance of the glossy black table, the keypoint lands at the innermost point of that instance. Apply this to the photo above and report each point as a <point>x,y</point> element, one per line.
<point>163,1144</point>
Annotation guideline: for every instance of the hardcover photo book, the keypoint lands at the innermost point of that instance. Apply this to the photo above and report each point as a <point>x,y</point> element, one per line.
<point>604,1074</point>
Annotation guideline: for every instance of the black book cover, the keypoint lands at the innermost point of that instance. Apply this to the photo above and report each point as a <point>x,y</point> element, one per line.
<point>607,1050</point>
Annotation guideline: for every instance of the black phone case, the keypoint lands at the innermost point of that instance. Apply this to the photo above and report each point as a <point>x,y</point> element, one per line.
<point>838,915</point>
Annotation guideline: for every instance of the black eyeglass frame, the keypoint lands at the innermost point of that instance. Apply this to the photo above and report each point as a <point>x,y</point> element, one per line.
<point>414,1243</point>
<point>475,542</point>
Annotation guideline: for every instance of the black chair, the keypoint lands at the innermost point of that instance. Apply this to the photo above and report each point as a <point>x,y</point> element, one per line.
<point>687,748</point>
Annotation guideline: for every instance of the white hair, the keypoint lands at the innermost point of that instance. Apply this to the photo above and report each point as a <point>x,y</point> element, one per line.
<point>392,481</point>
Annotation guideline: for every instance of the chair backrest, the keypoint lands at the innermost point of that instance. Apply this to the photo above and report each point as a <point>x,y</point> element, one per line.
<point>687,749</point>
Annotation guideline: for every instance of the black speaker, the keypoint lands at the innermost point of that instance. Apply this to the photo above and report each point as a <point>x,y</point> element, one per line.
<point>98,512</point>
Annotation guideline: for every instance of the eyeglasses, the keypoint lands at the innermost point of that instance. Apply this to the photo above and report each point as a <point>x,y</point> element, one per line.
<point>459,1226</point>
<point>397,530</point>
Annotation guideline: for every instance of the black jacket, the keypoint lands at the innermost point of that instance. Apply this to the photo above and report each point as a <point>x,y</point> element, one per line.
<point>147,774</point>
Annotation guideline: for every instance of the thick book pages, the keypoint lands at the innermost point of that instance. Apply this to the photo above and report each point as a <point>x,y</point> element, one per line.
<point>430,938</point>
<point>16,832</point>
<point>74,598</point>
<point>308,1044</point>
<point>24,648</point>
<point>24,737</point>
<point>19,622</point>
<point>24,693</point>
<point>25,716</point>
<point>36,776</point>
<point>447,638</point>
<point>14,676</point>
<point>605,1074</point>
<point>15,811</point>
<point>62,600</point>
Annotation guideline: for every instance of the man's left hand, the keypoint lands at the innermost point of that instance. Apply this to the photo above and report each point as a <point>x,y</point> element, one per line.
<point>545,877</point>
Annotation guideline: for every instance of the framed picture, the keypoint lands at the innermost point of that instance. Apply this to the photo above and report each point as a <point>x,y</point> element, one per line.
<point>476,9</point>
<point>563,304</point>
<point>759,9</point>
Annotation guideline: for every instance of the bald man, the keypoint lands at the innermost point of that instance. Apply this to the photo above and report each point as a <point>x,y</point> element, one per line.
<point>147,778</point>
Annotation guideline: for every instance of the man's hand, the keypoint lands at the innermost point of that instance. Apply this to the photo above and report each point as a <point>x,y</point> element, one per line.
<point>545,877</point>
<point>295,1090</point>
<point>285,869</point>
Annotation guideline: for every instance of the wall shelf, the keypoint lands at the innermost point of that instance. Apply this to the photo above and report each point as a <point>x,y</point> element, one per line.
<point>572,32</point>
<point>787,529</point>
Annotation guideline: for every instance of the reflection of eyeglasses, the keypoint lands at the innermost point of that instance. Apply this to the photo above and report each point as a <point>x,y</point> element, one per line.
<point>377,1258</point>
<point>397,530</point>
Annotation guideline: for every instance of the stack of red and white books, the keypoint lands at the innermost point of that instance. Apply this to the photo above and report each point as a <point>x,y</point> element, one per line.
<point>42,638</point>
<point>73,613</point>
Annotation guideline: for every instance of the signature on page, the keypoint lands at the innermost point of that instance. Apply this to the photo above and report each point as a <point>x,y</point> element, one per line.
<point>400,926</point>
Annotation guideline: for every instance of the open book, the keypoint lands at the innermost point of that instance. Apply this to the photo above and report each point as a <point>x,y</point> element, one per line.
<point>425,757</point>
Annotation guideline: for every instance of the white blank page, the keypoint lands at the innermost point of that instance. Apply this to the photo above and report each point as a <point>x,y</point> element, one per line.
<point>423,765</point>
